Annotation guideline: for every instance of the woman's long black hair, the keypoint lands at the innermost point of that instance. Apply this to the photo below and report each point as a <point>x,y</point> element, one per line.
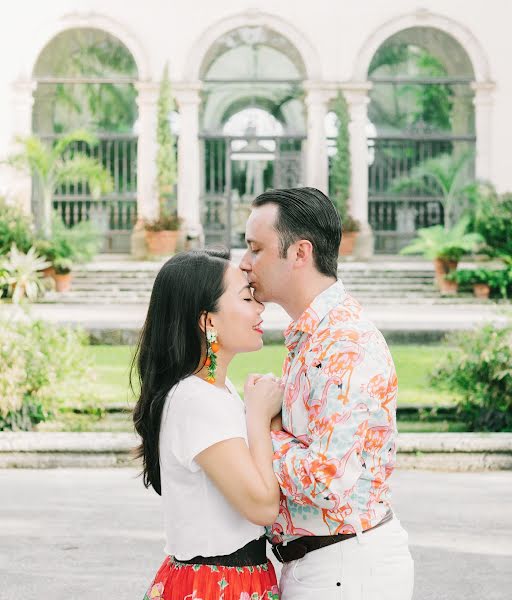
<point>172,342</point>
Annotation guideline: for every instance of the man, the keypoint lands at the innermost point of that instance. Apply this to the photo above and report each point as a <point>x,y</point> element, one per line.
<point>335,533</point>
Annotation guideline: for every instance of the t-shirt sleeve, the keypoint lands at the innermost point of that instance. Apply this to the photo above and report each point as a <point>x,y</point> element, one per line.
<point>197,420</point>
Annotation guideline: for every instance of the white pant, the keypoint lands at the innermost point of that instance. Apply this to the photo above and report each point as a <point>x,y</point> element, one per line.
<point>374,566</point>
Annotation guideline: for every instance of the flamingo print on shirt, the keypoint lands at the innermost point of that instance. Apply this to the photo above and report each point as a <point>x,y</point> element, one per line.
<point>337,450</point>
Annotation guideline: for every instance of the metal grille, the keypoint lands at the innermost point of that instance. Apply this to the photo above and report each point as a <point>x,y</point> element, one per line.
<point>115,214</point>
<point>395,217</point>
<point>227,191</point>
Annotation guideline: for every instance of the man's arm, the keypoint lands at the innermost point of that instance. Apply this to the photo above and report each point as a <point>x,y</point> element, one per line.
<point>348,395</point>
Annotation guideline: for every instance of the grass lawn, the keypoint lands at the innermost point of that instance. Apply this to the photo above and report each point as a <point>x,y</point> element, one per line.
<point>413,364</point>
<point>111,367</point>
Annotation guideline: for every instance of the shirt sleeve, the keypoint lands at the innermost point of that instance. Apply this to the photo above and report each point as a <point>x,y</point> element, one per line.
<point>348,395</point>
<point>195,421</point>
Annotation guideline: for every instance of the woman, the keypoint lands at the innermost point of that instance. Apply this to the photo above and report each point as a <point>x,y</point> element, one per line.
<point>208,455</point>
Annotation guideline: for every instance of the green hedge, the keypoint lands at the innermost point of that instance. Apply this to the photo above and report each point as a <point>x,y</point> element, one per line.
<point>42,369</point>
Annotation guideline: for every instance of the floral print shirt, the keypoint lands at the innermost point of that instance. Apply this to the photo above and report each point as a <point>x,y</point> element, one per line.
<point>336,452</point>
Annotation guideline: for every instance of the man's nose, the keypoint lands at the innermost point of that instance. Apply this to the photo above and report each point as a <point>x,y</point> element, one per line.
<point>245,264</point>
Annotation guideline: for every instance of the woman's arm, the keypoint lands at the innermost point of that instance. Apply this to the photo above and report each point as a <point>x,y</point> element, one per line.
<point>244,473</point>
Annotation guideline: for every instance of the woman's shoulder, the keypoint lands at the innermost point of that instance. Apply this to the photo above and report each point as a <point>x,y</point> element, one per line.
<point>193,389</point>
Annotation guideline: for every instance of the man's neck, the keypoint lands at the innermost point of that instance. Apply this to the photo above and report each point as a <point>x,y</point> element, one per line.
<point>303,295</point>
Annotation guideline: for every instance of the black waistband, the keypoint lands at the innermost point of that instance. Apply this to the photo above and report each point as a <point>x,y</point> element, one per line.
<point>252,554</point>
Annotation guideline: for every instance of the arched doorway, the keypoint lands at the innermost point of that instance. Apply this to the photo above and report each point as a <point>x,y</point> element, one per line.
<point>86,79</point>
<point>252,126</point>
<point>421,108</point>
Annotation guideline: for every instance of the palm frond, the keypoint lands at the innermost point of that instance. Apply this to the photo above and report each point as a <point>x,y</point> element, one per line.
<point>84,168</point>
<point>78,135</point>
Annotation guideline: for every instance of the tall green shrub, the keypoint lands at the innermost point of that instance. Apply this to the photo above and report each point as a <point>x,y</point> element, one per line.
<point>480,369</point>
<point>340,169</point>
<point>166,155</point>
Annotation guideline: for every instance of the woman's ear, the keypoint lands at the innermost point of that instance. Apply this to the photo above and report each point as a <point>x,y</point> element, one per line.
<point>203,318</point>
<point>205,321</point>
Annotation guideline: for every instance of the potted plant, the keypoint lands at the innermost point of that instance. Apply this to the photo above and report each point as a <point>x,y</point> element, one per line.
<point>162,233</point>
<point>68,245</point>
<point>449,285</point>
<point>478,279</point>
<point>63,276</point>
<point>45,248</point>
<point>445,247</point>
<point>350,229</point>
<point>340,173</point>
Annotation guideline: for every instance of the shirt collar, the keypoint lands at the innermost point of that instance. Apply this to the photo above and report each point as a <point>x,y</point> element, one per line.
<point>311,318</point>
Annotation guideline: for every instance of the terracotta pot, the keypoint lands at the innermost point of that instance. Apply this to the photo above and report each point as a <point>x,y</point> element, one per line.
<point>448,288</point>
<point>48,272</point>
<point>348,240</point>
<point>161,243</point>
<point>442,267</point>
<point>481,290</point>
<point>63,281</point>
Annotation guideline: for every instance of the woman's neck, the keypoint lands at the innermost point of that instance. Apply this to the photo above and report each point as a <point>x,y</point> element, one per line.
<point>220,372</point>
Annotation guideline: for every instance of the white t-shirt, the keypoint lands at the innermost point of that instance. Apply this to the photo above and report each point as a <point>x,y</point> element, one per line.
<point>198,519</point>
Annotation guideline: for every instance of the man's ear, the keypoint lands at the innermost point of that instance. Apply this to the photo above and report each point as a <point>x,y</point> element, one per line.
<point>304,252</point>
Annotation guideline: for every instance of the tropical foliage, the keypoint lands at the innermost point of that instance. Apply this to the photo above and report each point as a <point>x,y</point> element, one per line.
<point>52,166</point>
<point>446,177</point>
<point>447,244</point>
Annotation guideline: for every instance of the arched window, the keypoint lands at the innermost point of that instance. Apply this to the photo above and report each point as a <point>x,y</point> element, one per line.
<point>252,123</point>
<point>85,80</point>
<point>422,110</point>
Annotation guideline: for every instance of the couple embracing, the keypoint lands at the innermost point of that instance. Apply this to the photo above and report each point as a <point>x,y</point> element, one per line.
<point>304,461</point>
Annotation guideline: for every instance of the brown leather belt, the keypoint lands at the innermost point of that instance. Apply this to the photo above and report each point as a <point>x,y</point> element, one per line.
<point>301,546</point>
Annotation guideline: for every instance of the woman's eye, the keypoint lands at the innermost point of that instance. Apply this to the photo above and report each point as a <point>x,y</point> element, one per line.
<point>248,299</point>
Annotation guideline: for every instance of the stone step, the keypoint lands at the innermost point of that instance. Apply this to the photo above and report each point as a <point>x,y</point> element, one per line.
<point>70,298</point>
<point>352,278</point>
<point>346,273</point>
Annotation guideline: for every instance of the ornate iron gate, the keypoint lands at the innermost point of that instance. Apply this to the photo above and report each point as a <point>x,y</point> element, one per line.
<point>395,217</point>
<point>115,214</point>
<point>237,169</point>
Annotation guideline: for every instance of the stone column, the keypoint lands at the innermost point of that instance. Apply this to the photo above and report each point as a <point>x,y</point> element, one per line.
<point>317,166</point>
<point>147,200</point>
<point>188,100</point>
<point>357,99</point>
<point>483,102</point>
<point>19,184</point>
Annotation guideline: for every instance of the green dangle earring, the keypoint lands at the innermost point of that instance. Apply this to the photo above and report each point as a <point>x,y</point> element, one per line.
<point>212,347</point>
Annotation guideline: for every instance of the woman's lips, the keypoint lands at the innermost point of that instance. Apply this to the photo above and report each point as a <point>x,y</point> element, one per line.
<point>258,327</point>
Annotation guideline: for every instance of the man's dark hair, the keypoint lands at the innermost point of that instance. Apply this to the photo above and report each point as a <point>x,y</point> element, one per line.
<point>306,214</point>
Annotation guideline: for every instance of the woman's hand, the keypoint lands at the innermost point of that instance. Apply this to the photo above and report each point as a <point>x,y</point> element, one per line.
<point>263,394</point>
<point>277,423</point>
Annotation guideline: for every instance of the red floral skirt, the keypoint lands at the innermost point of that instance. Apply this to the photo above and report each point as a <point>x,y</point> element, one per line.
<point>179,581</point>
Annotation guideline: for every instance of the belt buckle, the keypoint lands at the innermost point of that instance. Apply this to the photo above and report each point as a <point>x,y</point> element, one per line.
<point>299,551</point>
<point>277,553</point>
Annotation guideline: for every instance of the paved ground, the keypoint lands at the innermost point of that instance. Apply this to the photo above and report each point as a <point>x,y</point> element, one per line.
<point>90,534</point>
